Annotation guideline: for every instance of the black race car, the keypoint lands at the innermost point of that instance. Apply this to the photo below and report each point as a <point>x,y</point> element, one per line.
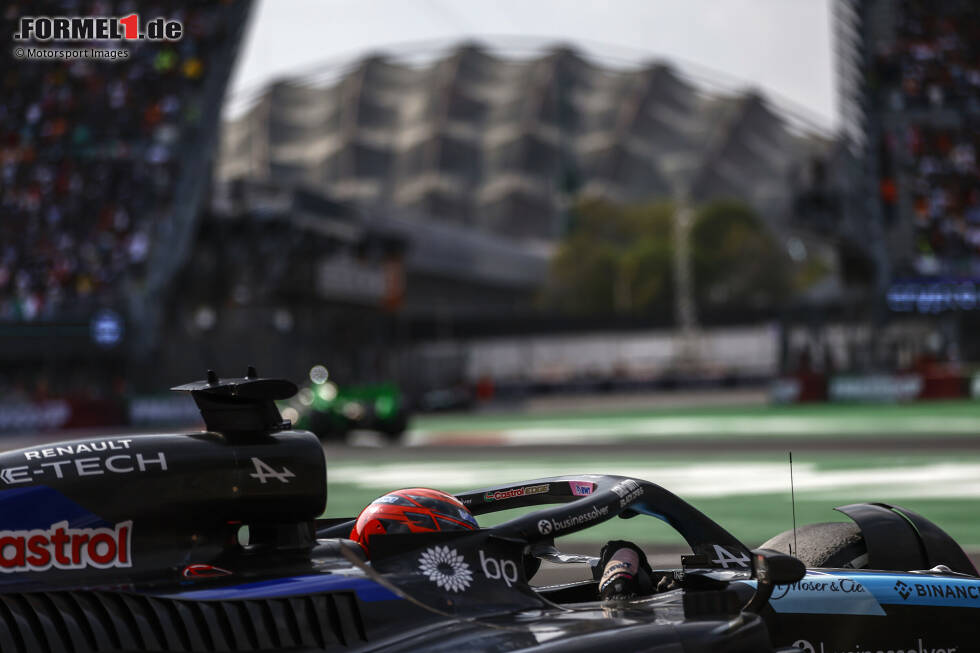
<point>212,541</point>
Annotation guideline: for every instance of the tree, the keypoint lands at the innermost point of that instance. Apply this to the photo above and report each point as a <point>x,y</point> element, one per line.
<point>736,260</point>
<point>618,259</point>
<point>614,259</point>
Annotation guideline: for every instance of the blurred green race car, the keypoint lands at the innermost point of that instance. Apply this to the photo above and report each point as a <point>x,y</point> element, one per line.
<point>331,411</point>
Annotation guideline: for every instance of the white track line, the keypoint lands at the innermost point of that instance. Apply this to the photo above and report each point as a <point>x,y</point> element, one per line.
<point>938,480</point>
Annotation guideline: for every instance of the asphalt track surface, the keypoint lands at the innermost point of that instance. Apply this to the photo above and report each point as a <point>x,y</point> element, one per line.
<point>876,444</point>
<point>368,445</point>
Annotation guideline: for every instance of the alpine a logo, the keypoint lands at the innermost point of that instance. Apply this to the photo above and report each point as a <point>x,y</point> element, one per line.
<point>62,547</point>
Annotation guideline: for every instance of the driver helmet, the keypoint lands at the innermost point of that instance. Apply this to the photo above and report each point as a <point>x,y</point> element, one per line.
<point>413,510</point>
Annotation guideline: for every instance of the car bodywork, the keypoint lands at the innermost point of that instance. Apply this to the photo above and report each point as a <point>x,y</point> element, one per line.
<point>137,543</point>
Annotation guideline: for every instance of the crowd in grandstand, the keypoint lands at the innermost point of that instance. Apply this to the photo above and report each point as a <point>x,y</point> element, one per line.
<point>931,73</point>
<point>935,58</point>
<point>946,194</point>
<point>88,155</point>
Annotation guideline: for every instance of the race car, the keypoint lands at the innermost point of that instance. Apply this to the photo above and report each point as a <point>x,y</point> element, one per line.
<point>214,541</point>
<point>331,412</point>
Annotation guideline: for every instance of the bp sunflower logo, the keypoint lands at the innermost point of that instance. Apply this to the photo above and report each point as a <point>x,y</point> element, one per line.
<point>446,568</point>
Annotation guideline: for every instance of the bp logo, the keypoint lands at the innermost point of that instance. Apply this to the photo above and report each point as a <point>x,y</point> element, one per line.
<point>544,526</point>
<point>446,568</point>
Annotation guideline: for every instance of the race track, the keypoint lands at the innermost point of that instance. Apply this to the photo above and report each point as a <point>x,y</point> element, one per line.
<point>728,461</point>
<point>731,462</point>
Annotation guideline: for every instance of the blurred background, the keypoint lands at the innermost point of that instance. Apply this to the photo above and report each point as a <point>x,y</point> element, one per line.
<point>674,240</point>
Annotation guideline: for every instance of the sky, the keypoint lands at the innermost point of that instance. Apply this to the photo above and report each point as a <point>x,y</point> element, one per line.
<point>782,47</point>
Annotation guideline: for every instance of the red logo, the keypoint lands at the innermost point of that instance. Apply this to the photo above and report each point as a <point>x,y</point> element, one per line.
<point>62,547</point>
<point>200,570</point>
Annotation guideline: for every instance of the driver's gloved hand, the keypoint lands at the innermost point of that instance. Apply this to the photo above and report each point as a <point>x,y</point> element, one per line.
<point>623,571</point>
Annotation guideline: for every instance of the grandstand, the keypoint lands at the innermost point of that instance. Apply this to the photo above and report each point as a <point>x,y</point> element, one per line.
<point>924,97</point>
<point>500,144</point>
<point>103,169</point>
<point>470,159</point>
<point>908,86</point>
<point>399,212</point>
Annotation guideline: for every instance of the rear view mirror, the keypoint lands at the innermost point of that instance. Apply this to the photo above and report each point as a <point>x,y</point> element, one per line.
<point>776,568</point>
<point>772,568</point>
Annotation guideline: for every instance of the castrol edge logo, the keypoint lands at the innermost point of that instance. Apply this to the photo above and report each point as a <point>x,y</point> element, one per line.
<point>500,495</point>
<point>62,547</point>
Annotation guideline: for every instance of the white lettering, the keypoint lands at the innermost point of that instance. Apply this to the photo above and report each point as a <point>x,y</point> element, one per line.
<point>161,460</point>
<point>57,467</point>
<point>625,487</point>
<point>111,465</point>
<point>88,467</point>
<point>75,449</point>
<point>11,475</point>
<point>495,569</point>
<point>546,526</point>
<point>809,647</point>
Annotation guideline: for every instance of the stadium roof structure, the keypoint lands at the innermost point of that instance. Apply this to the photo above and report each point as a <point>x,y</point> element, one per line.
<point>501,144</point>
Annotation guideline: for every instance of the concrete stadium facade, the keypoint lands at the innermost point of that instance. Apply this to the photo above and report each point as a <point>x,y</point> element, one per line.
<point>501,145</point>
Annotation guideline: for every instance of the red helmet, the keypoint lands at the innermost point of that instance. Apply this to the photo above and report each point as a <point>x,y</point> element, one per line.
<point>413,510</point>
